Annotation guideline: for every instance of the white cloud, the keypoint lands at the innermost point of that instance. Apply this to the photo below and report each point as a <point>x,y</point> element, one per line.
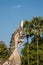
<point>17,6</point>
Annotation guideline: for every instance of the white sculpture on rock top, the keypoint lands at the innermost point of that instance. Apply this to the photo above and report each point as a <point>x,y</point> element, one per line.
<point>14,58</point>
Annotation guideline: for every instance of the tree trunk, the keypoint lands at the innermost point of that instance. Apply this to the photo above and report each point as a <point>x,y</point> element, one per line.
<point>37,53</point>
<point>28,50</point>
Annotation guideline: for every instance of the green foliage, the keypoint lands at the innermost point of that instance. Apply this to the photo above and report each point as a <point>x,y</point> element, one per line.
<point>33,28</point>
<point>4,52</point>
<point>32,53</point>
<point>24,55</point>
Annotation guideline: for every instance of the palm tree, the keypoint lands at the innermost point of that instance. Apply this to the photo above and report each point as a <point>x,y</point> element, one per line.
<point>35,27</point>
<point>37,30</point>
<point>27,30</point>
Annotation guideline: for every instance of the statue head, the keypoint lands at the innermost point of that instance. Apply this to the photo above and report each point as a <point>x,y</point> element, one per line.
<point>19,36</point>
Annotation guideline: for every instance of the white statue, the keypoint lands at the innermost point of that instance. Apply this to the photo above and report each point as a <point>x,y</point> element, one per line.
<point>15,59</point>
<point>18,37</point>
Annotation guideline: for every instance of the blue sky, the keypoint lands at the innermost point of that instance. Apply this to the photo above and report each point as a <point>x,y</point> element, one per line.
<point>13,11</point>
